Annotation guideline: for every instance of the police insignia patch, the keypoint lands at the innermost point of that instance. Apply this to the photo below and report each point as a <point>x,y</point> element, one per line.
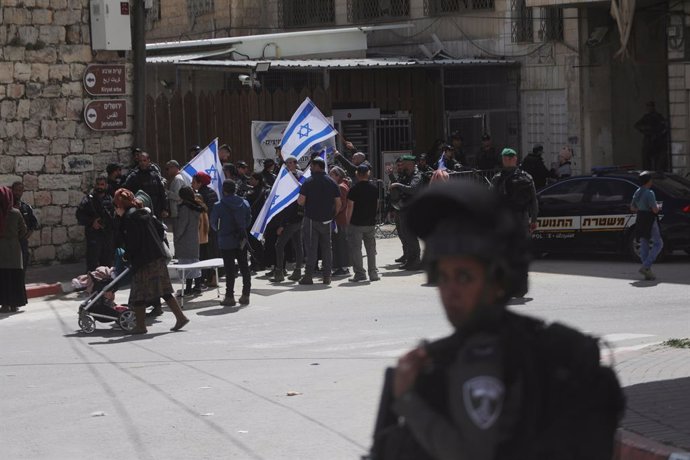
<point>483,398</point>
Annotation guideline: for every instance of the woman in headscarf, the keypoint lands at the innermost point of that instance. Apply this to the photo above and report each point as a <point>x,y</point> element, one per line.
<point>12,230</point>
<point>142,237</point>
<point>209,250</point>
<point>187,235</point>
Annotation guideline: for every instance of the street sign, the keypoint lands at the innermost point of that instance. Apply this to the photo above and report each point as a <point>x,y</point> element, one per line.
<point>106,114</point>
<point>105,79</point>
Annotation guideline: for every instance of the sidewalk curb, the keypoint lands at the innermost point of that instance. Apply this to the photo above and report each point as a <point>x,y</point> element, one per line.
<point>34,290</point>
<point>631,446</point>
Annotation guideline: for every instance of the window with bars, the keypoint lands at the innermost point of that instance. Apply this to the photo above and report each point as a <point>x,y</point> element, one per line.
<point>367,10</point>
<point>440,7</point>
<point>551,24</point>
<point>198,7</point>
<point>305,13</point>
<point>522,28</point>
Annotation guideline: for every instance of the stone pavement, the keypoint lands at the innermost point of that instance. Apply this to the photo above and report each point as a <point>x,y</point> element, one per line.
<point>658,404</point>
<point>656,379</point>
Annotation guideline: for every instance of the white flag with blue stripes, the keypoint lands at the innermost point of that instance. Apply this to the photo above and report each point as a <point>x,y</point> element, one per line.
<point>207,161</point>
<point>307,127</point>
<point>283,193</point>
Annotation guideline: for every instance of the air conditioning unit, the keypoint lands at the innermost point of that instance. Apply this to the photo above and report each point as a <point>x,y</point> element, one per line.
<point>110,25</point>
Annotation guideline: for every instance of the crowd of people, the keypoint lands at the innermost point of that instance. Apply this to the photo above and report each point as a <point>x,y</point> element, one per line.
<point>320,234</point>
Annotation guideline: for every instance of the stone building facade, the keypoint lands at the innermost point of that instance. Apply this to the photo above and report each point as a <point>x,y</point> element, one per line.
<point>44,141</point>
<point>574,90</point>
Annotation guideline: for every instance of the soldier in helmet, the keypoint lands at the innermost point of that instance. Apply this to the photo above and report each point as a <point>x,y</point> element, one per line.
<point>503,385</point>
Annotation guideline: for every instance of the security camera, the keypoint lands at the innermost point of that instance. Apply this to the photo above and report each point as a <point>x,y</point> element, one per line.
<point>597,36</point>
<point>249,80</point>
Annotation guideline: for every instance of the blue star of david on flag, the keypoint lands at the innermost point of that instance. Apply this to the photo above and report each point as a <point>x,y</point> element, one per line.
<point>304,130</point>
<point>213,172</point>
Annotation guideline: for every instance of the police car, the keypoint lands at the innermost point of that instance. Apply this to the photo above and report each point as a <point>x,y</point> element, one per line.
<point>592,213</point>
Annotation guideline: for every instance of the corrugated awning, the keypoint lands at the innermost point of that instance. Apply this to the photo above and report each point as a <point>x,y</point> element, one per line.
<point>355,63</point>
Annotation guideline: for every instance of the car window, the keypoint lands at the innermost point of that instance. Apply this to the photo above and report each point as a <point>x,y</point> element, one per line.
<point>568,192</point>
<point>610,191</point>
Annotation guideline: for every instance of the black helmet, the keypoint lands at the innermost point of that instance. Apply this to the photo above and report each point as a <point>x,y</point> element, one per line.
<point>461,218</point>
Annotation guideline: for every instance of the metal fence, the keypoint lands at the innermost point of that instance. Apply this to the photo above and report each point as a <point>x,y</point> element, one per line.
<point>368,10</point>
<point>522,28</point>
<point>551,24</point>
<point>306,13</point>
<point>440,7</point>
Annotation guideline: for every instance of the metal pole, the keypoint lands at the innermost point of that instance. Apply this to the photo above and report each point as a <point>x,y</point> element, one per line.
<point>139,57</point>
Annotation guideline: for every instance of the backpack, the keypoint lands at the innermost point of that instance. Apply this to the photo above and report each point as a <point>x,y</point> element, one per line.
<point>571,405</point>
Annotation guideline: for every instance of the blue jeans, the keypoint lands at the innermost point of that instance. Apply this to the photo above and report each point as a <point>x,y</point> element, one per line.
<point>647,255</point>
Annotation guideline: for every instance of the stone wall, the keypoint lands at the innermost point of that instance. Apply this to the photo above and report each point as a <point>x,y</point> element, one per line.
<point>44,50</point>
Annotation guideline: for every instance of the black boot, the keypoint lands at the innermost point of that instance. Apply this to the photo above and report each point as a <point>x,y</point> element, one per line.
<point>198,288</point>
<point>187,287</point>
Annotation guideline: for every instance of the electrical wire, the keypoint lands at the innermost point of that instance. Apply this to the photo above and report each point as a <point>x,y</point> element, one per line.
<point>492,53</point>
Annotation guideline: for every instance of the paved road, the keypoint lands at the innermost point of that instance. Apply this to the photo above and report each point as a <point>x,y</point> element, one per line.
<point>219,389</point>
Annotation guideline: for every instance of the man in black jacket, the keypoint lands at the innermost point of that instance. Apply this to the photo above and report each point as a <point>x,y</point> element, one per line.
<point>96,213</point>
<point>289,229</point>
<point>406,187</point>
<point>149,180</point>
<point>533,164</point>
<point>516,188</point>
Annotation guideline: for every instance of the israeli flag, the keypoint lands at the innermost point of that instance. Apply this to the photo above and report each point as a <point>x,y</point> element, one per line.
<point>207,161</point>
<point>307,127</point>
<point>441,163</point>
<point>284,192</point>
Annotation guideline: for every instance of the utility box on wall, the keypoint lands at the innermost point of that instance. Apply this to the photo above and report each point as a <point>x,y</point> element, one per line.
<point>110,27</point>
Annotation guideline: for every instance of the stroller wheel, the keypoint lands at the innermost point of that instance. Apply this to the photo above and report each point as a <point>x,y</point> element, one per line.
<point>87,323</point>
<point>127,320</point>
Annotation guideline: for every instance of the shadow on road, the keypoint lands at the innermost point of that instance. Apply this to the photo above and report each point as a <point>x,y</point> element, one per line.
<point>135,338</point>
<point>191,304</point>
<point>644,284</point>
<point>660,410</point>
<point>11,314</point>
<point>394,274</point>
<point>675,268</point>
<point>223,310</point>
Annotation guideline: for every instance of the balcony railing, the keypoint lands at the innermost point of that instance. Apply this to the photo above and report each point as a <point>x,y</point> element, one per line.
<point>441,7</point>
<point>306,13</point>
<point>376,10</point>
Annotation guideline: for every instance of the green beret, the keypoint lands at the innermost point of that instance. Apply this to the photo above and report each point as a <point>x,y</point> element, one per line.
<point>408,158</point>
<point>508,152</point>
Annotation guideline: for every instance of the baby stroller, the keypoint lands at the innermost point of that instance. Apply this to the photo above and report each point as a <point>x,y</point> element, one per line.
<point>101,307</point>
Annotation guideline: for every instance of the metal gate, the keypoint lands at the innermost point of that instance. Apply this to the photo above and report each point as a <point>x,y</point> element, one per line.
<point>387,133</point>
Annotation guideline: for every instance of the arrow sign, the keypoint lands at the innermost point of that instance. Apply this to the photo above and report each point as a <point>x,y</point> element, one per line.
<point>106,115</point>
<point>105,79</point>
